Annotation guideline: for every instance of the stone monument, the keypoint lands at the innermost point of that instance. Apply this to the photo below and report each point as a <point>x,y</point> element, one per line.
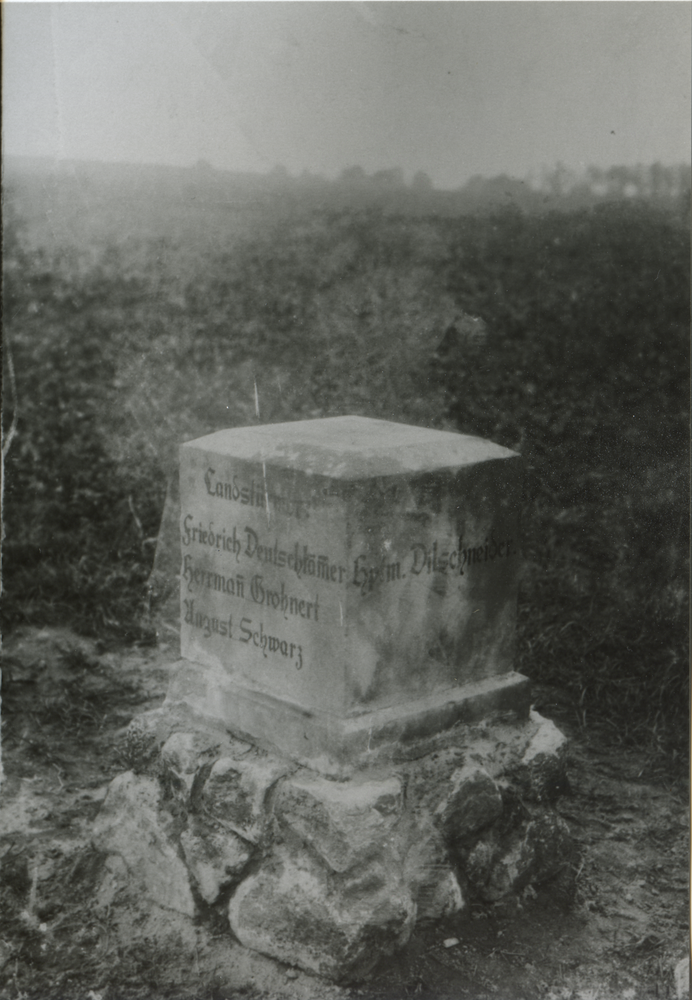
<point>348,583</point>
<point>345,748</point>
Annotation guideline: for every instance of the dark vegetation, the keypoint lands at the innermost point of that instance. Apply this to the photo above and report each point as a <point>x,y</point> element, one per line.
<point>84,186</point>
<point>119,347</point>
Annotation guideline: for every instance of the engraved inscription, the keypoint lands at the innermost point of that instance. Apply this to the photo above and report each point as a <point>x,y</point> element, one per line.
<point>302,563</point>
<point>435,559</point>
<point>245,632</point>
<point>279,600</point>
<point>256,494</point>
<point>297,557</point>
<point>223,541</point>
<point>367,577</point>
<point>429,559</point>
<point>268,571</point>
<point>200,577</point>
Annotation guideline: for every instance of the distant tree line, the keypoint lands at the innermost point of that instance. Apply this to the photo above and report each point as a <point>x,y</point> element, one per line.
<point>557,188</point>
<point>654,182</point>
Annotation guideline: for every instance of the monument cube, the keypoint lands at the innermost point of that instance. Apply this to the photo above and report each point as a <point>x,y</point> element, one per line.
<point>348,582</point>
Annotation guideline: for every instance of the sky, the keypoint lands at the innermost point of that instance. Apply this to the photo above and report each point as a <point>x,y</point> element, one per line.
<point>451,88</point>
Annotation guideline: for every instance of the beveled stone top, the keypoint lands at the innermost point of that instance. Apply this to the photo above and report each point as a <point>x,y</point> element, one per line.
<point>351,447</point>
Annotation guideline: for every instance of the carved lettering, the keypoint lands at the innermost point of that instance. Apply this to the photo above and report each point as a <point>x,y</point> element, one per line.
<point>253,494</point>
<point>300,560</point>
<point>270,643</point>
<point>209,625</point>
<point>366,577</point>
<point>436,559</point>
<point>281,600</point>
<point>264,641</point>
<point>195,576</point>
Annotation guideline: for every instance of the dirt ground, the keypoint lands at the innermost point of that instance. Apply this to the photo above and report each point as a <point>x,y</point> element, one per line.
<point>66,702</point>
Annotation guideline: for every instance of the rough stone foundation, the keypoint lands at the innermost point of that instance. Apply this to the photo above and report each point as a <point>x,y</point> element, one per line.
<point>328,875</point>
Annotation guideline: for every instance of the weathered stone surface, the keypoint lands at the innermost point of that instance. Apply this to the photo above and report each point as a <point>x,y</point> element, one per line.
<point>541,771</point>
<point>478,867</point>
<point>349,578</point>
<point>340,747</point>
<point>325,874</point>
<point>292,912</point>
<point>183,754</point>
<point>237,789</point>
<point>505,871</point>
<point>471,802</point>
<point>129,827</point>
<point>546,740</point>
<point>344,822</point>
<point>544,850</point>
<point>148,732</point>
<point>430,878</point>
<point>132,916</point>
<point>441,899</point>
<point>144,737</point>
<point>362,881</point>
<point>215,858</point>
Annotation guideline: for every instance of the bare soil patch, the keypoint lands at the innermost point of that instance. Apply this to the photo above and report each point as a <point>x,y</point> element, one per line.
<point>66,701</point>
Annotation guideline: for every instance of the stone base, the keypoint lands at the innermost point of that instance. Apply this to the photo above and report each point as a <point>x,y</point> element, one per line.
<point>336,745</point>
<point>331,875</point>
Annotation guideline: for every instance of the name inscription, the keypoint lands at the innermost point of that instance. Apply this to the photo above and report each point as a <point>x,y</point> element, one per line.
<point>300,560</point>
<point>254,495</point>
<point>429,559</point>
<point>280,600</point>
<point>245,633</point>
<point>245,545</point>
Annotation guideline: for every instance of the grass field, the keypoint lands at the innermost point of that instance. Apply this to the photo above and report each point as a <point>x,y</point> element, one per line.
<point>128,343</point>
